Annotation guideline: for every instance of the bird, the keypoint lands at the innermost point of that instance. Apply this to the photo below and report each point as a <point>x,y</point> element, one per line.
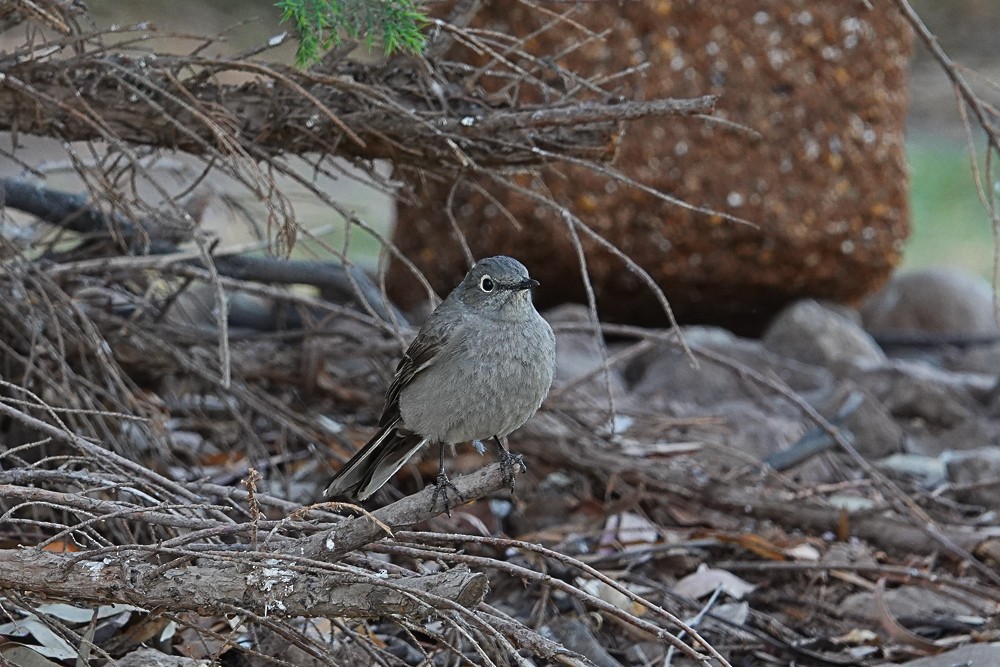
<point>478,369</point>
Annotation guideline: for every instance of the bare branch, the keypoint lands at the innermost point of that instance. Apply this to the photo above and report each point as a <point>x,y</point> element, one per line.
<point>141,101</point>
<point>356,533</point>
<point>266,587</point>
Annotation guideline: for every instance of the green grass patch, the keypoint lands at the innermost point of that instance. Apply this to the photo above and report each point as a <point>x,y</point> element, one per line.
<point>950,225</point>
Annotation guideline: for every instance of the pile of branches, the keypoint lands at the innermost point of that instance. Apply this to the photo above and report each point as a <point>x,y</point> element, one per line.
<point>171,408</point>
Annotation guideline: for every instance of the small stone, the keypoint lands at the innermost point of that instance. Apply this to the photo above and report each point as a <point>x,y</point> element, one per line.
<point>875,433</point>
<point>915,390</point>
<point>906,603</point>
<point>972,467</point>
<point>818,334</point>
<point>976,359</point>
<point>757,431</point>
<point>970,434</point>
<point>577,636</point>
<point>927,471</point>
<point>972,655</point>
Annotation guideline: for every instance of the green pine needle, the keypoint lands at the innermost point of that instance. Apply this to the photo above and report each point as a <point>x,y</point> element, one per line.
<point>322,24</point>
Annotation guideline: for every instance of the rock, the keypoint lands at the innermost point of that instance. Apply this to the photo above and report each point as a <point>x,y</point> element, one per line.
<point>926,471</point>
<point>974,432</point>
<point>864,421</point>
<point>972,467</point>
<point>972,655</point>
<point>854,552</point>
<point>906,604</point>
<point>817,334</point>
<point>757,432</point>
<point>147,657</point>
<point>943,302</point>
<point>914,390</point>
<point>580,383</point>
<point>579,352</point>
<point>875,433</point>
<point>667,371</point>
<point>976,359</point>
<point>577,636</point>
<point>824,181</point>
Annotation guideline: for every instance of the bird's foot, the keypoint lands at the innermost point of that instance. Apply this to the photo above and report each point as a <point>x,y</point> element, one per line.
<point>441,487</point>
<point>508,462</point>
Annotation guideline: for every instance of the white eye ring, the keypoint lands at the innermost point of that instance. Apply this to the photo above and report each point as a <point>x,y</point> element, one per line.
<point>486,284</point>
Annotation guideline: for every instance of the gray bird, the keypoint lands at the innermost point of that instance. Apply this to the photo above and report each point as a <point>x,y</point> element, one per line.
<point>479,367</point>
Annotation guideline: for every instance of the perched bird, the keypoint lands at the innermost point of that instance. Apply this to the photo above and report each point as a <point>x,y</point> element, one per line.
<point>478,369</point>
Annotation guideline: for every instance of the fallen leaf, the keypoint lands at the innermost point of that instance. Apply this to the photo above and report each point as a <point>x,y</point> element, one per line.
<point>706,579</point>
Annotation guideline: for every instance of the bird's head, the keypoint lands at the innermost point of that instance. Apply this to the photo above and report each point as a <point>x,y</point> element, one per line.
<point>497,287</point>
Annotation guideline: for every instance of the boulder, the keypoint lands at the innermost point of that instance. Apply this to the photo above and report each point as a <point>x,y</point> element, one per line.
<point>942,302</point>
<point>807,143</point>
<point>814,333</point>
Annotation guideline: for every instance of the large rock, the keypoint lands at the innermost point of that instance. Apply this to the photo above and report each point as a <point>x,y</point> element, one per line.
<point>815,333</point>
<point>824,181</point>
<point>942,301</point>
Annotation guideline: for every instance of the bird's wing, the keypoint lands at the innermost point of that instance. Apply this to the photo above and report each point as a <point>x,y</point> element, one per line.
<point>375,463</point>
<point>419,356</point>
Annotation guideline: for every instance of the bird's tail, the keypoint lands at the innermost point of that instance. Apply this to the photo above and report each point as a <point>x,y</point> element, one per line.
<point>375,463</point>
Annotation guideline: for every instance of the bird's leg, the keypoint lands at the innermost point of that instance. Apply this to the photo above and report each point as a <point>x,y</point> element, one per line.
<point>508,461</point>
<point>442,484</point>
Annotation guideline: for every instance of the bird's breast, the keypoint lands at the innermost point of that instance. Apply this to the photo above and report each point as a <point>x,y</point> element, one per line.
<point>488,381</point>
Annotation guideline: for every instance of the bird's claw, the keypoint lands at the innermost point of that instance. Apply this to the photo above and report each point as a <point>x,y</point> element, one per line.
<point>441,486</point>
<point>508,462</point>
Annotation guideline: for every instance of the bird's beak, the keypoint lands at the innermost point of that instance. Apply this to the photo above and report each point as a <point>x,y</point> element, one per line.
<point>527,283</point>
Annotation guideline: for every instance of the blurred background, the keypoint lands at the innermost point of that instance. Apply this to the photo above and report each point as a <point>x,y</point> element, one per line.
<point>950,225</point>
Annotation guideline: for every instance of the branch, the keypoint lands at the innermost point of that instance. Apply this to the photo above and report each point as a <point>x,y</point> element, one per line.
<point>72,211</point>
<point>332,545</point>
<point>55,15</point>
<point>964,90</point>
<point>266,585</point>
<point>579,114</point>
<point>284,112</point>
<point>77,213</point>
<point>267,588</point>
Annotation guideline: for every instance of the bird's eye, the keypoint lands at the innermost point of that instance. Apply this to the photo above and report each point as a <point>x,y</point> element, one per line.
<point>486,284</point>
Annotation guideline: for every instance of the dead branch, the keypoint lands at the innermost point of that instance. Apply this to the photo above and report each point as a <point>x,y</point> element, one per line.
<point>77,213</point>
<point>269,587</point>
<point>985,117</point>
<point>65,209</point>
<point>55,15</point>
<point>141,101</point>
<point>356,533</point>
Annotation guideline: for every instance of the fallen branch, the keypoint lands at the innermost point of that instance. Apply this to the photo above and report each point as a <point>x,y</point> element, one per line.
<point>336,543</point>
<point>77,212</point>
<point>140,101</point>
<point>264,586</point>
